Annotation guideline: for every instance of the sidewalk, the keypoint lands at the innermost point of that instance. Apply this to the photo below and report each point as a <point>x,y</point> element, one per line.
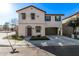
<point>24,51</point>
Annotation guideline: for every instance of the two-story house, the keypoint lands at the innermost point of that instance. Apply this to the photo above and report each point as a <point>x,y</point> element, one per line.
<point>34,21</point>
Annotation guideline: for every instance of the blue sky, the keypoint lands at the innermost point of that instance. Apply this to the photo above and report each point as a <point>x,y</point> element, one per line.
<point>8,11</point>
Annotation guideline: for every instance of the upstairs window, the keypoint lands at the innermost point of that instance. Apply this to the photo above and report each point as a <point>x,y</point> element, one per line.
<point>57,18</point>
<point>47,18</point>
<point>23,15</point>
<point>38,28</point>
<point>32,15</point>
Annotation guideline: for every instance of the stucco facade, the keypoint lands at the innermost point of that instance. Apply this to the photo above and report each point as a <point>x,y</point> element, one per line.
<point>38,21</point>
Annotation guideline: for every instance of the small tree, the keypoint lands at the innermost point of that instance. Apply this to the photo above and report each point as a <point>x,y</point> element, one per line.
<point>6,28</point>
<point>73,24</point>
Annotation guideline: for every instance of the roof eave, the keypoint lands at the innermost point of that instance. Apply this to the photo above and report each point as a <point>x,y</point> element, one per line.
<point>55,14</point>
<point>31,6</point>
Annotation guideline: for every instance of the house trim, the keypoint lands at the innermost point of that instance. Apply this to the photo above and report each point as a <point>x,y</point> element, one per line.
<point>54,14</point>
<point>31,23</point>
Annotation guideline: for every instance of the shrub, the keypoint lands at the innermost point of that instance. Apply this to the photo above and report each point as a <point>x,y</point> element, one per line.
<point>38,35</point>
<point>22,37</point>
<point>14,37</point>
<point>39,38</point>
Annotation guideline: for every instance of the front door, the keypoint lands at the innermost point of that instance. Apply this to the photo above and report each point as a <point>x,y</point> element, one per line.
<point>29,31</point>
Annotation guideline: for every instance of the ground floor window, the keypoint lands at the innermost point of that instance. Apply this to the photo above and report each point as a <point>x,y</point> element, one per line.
<point>38,28</point>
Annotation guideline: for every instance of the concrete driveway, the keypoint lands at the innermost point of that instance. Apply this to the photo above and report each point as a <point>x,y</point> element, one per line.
<point>56,41</point>
<point>59,45</point>
<point>63,41</point>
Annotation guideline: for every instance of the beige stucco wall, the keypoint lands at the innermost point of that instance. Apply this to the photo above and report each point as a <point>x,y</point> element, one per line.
<point>23,30</point>
<point>39,16</point>
<point>39,21</point>
<point>53,23</point>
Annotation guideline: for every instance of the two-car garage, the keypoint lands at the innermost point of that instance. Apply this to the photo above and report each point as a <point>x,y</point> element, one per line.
<point>51,31</point>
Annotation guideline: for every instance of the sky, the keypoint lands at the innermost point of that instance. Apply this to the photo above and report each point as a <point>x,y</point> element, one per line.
<point>8,10</point>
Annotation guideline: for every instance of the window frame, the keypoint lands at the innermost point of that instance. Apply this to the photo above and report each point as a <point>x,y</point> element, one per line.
<point>57,19</point>
<point>48,18</point>
<point>23,16</point>
<point>33,16</point>
<point>38,29</point>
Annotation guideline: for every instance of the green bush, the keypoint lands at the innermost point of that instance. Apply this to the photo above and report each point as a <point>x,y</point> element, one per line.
<point>14,37</point>
<point>38,35</point>
<point>22,37</point>
<point>39,38</point>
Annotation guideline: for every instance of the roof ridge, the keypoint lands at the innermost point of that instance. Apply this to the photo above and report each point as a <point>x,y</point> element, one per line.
<point>31,6</point>
<point>71,15</point>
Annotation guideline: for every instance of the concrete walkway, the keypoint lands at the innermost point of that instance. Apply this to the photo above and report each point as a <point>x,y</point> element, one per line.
<point>24,51</point>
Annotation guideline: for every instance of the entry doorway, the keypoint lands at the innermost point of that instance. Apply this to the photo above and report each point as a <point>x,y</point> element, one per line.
<point>29,31</point>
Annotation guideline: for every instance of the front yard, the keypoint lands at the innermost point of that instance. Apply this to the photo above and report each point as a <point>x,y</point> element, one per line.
<point>14,37</point>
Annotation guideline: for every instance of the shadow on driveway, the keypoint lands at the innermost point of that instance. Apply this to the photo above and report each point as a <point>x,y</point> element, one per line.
<point>62,51</point>
<point>70,50</point>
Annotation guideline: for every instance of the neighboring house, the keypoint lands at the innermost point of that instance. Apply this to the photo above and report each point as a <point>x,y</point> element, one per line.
<point>67,29</point>
<point>34,21</point>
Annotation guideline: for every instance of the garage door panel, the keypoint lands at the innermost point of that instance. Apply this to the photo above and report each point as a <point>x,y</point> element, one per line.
<point>51,31</point>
